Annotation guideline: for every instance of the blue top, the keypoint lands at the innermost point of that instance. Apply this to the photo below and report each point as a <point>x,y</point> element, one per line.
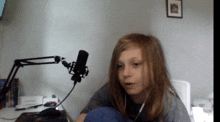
<point>176,113</point>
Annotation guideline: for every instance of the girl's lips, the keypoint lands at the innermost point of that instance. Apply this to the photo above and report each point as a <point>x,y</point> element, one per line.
<point>129,85</point>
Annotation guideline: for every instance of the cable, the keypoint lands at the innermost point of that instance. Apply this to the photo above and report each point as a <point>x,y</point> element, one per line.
<point>35,106</point>
<point>66,95</point>
<point>8,118</point>
<point>142,106</point>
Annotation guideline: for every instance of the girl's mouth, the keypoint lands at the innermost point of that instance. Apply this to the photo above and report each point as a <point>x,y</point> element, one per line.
<point>129,85</point>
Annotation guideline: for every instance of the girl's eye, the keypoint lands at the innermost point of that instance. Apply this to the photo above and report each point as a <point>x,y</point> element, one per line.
<point>136,64</point>
<point>119,66</point>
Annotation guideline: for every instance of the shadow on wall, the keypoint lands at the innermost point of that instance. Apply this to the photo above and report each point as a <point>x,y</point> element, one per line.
<point>22,37</point>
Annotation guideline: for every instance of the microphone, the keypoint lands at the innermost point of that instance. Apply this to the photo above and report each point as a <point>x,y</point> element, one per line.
<point>78,68</point>
<point>81,62</point>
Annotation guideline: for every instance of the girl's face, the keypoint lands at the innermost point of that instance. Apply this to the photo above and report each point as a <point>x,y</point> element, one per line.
<point>132,71</point>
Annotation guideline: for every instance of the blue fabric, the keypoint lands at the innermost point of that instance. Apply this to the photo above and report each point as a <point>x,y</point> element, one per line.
<point>105,114</point>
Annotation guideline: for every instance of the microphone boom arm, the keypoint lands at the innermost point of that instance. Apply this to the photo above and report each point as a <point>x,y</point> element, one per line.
<point>20,63</point>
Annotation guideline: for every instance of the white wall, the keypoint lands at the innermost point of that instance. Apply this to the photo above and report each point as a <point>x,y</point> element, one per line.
<point>44,28</point>
<point>188,43</point>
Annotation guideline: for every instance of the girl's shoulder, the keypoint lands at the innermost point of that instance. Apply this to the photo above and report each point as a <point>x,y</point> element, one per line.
<point>174,109</point>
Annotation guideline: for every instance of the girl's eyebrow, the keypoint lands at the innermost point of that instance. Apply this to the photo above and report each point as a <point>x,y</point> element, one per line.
<point>131,59</point>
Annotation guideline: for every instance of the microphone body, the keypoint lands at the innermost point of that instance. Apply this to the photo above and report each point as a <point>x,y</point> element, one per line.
<point>81,62</point>
<point>78,68</point>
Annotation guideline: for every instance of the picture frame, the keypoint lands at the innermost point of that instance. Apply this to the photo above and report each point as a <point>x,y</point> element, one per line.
<point>174,8</point>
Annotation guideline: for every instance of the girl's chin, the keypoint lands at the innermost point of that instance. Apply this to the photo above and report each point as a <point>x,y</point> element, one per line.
<point>132,92</point>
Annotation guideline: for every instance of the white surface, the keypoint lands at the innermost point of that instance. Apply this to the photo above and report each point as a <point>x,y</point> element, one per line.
<point>200,116</point>
<point>183,89</point>
<point>30,100</point>
<point>27,101</point>
<point>210,96</point>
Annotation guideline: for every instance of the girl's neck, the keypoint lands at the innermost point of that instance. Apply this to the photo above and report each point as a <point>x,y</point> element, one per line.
<point>140,98</point>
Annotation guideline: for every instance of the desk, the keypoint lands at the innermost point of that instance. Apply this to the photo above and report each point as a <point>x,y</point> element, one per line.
<point>10,113</point>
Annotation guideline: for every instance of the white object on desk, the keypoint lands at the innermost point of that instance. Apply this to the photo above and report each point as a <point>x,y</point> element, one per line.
<point>30,100</point>
<point>27,101</point>
<point>50,99</point>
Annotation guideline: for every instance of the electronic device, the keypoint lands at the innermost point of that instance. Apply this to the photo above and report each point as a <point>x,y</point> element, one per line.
<point>50,112</point>
<point>50,104</point>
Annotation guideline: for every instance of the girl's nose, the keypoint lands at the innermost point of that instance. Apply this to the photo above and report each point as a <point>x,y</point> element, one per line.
<point>127,71</point>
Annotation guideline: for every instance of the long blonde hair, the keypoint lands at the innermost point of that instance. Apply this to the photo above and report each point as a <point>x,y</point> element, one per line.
<point>159,81</point>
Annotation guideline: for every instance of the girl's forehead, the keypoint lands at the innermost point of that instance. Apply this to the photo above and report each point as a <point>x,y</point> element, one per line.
<point>132,53</point>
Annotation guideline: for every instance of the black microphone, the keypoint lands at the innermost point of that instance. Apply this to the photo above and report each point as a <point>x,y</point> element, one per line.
<point>81,62</point>
<point>79,68</point>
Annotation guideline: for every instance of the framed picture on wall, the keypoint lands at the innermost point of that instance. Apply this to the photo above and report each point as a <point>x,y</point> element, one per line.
<point>174,8</point>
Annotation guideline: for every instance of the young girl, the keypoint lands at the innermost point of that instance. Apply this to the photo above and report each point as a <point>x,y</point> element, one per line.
<point>139,88</point>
